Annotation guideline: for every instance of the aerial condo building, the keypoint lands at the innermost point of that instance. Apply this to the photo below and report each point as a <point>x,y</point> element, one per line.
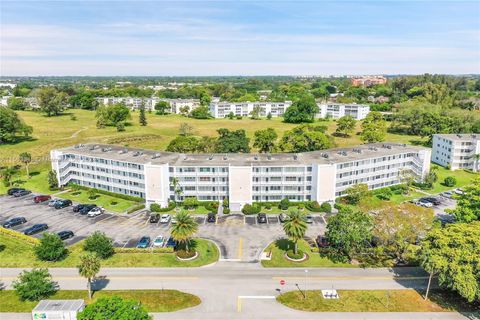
<point>159,177</point>
<point>457,151</point>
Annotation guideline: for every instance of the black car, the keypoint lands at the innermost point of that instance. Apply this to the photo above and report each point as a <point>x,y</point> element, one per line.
<point>21,193</point>
<point>171,243</point>
<point>66,234</point>
<point>36,228</point>
<point>86,208</point>
<point>62,204</point>
<point>211,217</point>
<point>154,218</point>
<point>433,200</point>
<point>79,207</point>
<point>14,222</point>
<point>262,218</point>
<point>11,191</point>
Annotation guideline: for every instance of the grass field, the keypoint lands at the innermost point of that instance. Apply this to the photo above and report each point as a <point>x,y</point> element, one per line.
<point>463,178</point>
<point>152,300</point>
<point>16,253</point>
<point>375,301</point>
<point>108,202</point>
<point>278,260</point>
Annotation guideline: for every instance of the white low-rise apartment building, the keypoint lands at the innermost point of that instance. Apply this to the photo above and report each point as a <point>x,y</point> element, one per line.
<point>221,109</point>
<point>457,151</point>
<point>176,105</point>
<point>242,178</point>
<point>338,110</point>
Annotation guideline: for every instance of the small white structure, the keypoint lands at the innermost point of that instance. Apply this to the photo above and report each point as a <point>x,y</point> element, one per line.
<point>57,309</point>
<point>338,110</point>
<point>330,294</point>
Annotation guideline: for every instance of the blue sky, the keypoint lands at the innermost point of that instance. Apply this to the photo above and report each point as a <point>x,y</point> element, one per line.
<point>238,37</point>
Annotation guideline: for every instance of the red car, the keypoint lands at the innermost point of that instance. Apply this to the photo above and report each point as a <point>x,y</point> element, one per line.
<point>41,198</point>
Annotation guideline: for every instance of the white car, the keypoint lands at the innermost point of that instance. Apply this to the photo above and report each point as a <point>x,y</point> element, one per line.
<point>425,203</point>
<point>52,202</point>
<point>95,212</point>
<point>159,241</point>
<point>165,218</point>
<point>458,191</point>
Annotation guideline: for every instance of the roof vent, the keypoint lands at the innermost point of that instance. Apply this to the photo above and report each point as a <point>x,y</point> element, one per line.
<point>156,155</point>
<point>325,155</point>
<point>255,157</point>
<point>389,147</point>
<point>269,157</point>
<point>137,153</point>
<point>225,157</point>
<point>106,149</point>
<point>357,150</point>
<point>210,157</point>
<point>295,157</point>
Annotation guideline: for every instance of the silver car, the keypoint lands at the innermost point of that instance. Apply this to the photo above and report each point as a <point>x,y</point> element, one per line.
<point>165,218</point>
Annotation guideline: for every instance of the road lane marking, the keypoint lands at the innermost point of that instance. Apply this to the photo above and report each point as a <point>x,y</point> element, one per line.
<point>240,244</point>
<point>239,300</point>
<point>116,278</point>
<point>354,278</point>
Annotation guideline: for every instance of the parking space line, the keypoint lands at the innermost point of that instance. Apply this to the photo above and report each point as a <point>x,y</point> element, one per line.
<point>240,251</point>
<point>323,218</point>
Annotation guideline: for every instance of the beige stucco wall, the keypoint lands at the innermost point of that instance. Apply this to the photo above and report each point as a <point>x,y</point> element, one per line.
<point>240,187</point>
<point>325,182</point>
<point>157,184</point>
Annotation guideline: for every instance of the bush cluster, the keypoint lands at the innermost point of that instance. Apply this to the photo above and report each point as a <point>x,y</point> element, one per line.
<point>108,193</point>
<point>99,243</point>
<point>50,248</point>
<point>155,207</point>
<point>250,209</point>
<point>450,181</point>
<point>297,256</point>
<point>284,204</point>
<point>211,206</point>
<point>140,250</point>
<point>184,254</point>
<point>226,211</point>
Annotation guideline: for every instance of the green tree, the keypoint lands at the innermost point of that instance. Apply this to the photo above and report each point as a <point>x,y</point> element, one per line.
<point>162,107</point>
<point>450,181</point>
<point>357,192</point>
<point>184,229</point>
<point>302,110</point>
<point>305,138</point>
<point>453,253</point>
<point>185,129</point>
<point>232,141</point>
<point>231,115</point>
<point>255,113</point>
<point>468,203</point>
<point>34,285</point>
<point>50,248</point>
<point>26,158</point>
<point>113,308</point>
<point>264,140</point>
<point>374,128</point>
<point>269,116</point>
<point>183,144</point>
<point>16,103</point>
<point>201,113</point>
<point>142,118</point>
<point>175,184</point>
<point>295,226</point>
<point>88,268</point>
<point>99,243</point>
<point>52,180</point>
<point>84,100</point>
<point>12,126</point>
<point>112,115</point>
<point>7,175</point>
<point>51,101</point>
<point>207,144</point>
<point>349,231</point>
<point>346,125</point>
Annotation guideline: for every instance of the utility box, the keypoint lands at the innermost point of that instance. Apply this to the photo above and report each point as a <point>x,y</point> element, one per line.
<point>57,309</point>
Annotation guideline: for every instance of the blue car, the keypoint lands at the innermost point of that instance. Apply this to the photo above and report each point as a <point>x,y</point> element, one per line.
<point>171,243</point>
<point>143,243</point>
<point>14,222</point>
<point>36,228</point>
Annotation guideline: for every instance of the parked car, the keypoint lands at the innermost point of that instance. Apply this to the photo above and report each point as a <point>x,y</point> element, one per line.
<point>41,198</point>
<point>11,191</point>
<point>14,222</point>
<point>447,194</point>
<point>62,204</point>
<point>154,218</point>
<point>79,207</point>
<point>143,243</point>
<point>282,217</point>
<point>171,243</point>
<point>458,191</point>
<point>86,208</point>
<point>211,217</point>
<point>159,241</point>
<point>174,219</point>
<point>322,241</point>
<point>261,218</point>
<point>308,218</point>
<point>165,218</point>
<point>67,234</point>
<point>53,202</point>
<point>433,200</point>
<point>424,203</point>
<point>95,212</point>
<point>21,193</point>
<point>36,228</point>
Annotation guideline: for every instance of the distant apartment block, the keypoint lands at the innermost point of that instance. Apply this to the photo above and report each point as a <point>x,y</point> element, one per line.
<point>242,178</point>
<point>457,151</point>
<point>368,81</point>
<point>135,103</point>
<point>338,110</point>
<point>244,109</point>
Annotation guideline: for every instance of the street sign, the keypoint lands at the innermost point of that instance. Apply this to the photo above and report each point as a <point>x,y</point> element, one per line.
<point>282,282</point>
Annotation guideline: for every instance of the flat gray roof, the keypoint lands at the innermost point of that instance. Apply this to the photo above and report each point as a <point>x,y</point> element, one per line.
<point>59,305</point>
<point>460,136</point>
<point>337,155</point>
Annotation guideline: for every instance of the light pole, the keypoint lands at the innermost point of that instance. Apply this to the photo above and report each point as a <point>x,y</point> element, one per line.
<point>306,273</point>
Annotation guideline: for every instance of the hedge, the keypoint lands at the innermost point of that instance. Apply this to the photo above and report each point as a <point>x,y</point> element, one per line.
<point>297,256</point>
<point>251,209</point>
<point>108,193</point>
<point>18,235</point>
<point>146,250</point>
<point>136,208</point>
<point>155,207</point>
<point>226,211</point>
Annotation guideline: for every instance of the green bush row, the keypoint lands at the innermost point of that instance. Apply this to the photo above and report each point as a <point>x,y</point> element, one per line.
<point>108,193</point>
<point>18,235</point>
<point>155,207</point>
<point>251,209</point>
<point>140,250</point>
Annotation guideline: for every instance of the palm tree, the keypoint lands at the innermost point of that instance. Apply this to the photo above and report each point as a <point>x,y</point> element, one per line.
<point>7,175</point>
<point>176,187</point>
<point>88,268</point>
<point>295,226</point>
<point>184,229</point>
<point>26,158</point>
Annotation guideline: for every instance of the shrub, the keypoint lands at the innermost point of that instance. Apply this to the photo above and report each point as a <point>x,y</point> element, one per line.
<point>155,207</point>
<point>50,248</point>
<point>384,194</point>
<point>250,209</point>
<point>301,206</point>
<point>184,254</point>
<point>225,202</point>
<point>297,256</point>
<point>99,243</point>
<point>423,185</point>
<point>399,189</point>
<point>113,203</point>
<point>120,127</point>
<point>450,181</point>
<point>284,204</point>
<point>34,285</point>
<point>140,250</point>
<point>326,207</point>
<point>313,206</point>
<point>92,194</point>
<point>191,202</point>
<point>211,206</point>
<point>114,308</point>
<point>239,117</point>
<point>226,211</point>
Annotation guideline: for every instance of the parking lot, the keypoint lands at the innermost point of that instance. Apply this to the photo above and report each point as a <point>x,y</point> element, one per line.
<point>239,237</point>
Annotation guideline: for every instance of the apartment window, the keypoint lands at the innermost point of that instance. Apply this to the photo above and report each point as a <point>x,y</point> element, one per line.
<point>204,179</point>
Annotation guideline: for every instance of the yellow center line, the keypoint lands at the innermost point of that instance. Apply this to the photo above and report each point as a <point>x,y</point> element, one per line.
<point>239,304</point>
<point>118,278</point>
<point>353,278</point>
<point>240,244</point>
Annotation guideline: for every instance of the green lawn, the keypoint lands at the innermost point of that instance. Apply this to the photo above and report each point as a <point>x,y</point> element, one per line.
<point>152,300</point>
<point>278,260</point>
<point>19,254</point>
<point>463,178</point>
<point>374,301</point>
<point>110,203</point>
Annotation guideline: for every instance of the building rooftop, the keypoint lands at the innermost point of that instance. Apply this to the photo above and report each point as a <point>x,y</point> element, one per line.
<point>59,305</point>
<point>459,137</point>
<point>337,155</point>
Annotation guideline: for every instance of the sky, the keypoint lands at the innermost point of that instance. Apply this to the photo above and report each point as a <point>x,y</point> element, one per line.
<point>208,38</point>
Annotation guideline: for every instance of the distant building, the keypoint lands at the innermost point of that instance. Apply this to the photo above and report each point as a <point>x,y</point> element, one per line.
<point>244,109</point>
<point>8,84</point>
<point>4,100</point>
<point>149,103</point>
<point>457,151</point>
<point>338,110</point>
<point>368,81</point>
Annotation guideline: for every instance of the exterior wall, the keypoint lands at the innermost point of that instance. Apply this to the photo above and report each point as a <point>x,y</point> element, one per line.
<point>324,183</point>
<point>240,187</point>
<point>243,109</point>
<point>157,184</point>
<point>149,103</point>
<point>338,110</point>
<point>456,151</point>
